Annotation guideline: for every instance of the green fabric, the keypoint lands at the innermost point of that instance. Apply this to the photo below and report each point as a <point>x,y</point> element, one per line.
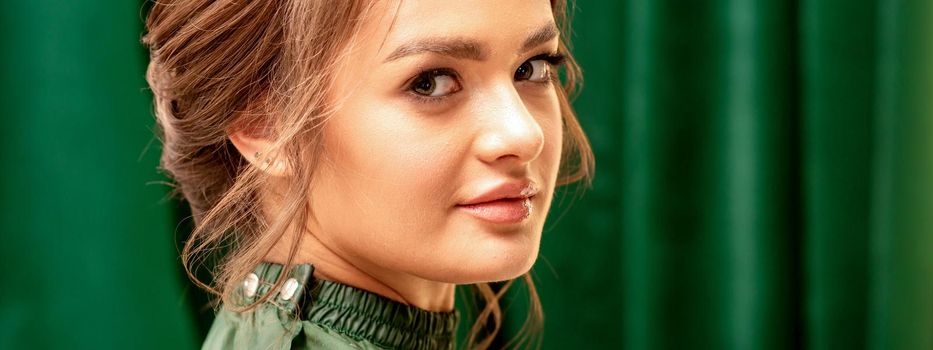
<point>321,314</point>
<point>763,179</point>
<point>87,251</point>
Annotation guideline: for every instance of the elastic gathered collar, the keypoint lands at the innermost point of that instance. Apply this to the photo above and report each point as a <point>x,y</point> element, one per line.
<point>364,315</point>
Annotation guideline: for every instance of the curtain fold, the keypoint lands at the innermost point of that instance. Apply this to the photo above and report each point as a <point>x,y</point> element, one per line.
<point>901,216</point>
<point>839,60</point>
<point>87,259</point>
<point>763,179</point>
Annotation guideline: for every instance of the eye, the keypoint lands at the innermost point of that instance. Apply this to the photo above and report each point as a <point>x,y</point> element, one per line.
<point>435,83</point>
<point>536,70</point>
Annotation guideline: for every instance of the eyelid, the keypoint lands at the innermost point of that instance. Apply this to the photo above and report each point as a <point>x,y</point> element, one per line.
<point>553,58</point>
<point>435,71</point>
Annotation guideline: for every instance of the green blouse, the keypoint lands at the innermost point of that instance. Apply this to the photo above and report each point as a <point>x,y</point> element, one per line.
<point>331,316</point>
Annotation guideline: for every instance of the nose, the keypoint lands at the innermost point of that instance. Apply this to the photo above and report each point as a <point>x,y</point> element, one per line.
<point>510,133</point>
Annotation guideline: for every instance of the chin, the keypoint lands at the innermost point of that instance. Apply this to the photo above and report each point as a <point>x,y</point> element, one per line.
<point>475,252</point>
<point>508,272</point>
<point>480,268</point>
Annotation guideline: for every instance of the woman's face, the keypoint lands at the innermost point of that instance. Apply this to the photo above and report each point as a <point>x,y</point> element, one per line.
<point>443,104</point>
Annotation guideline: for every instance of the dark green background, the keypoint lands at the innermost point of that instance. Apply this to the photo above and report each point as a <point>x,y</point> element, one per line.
<point>763,181</point>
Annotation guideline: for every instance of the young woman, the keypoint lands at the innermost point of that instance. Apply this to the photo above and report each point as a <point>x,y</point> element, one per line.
<point>349,163</point>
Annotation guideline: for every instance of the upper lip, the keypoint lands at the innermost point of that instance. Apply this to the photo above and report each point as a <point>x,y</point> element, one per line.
<point>506,190</point>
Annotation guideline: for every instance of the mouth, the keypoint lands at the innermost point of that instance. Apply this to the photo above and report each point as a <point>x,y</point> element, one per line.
<point>507,202</point>
<point>501,211</point>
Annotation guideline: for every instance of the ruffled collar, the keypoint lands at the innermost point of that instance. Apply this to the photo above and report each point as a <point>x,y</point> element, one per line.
<point>363,315</point>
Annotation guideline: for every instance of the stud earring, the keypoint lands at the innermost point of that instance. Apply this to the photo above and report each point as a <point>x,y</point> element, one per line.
<point>257,155</point>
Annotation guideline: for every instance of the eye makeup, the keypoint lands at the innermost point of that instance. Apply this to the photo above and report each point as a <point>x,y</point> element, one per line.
<point>425,78</point>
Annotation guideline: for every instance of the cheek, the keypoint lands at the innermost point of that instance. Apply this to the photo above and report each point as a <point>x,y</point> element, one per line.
<point>384,165</point>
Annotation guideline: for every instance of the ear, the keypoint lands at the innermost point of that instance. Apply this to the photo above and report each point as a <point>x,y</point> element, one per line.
<point>255,150</point>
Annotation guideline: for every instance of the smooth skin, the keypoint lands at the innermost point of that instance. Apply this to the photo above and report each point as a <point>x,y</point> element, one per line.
<point>439,101</point>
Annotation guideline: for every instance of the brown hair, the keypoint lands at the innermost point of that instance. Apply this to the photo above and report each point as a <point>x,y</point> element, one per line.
<point>222,65</point>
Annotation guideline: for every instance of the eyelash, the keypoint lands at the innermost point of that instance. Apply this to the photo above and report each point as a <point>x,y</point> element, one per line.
<point>553,59</point>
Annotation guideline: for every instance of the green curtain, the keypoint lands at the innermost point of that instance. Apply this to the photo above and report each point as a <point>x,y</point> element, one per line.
<point>88,252</point>
<point>763,179</point>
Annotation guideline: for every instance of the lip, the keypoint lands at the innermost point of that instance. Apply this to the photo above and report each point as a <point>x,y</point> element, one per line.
<point>505,190</point>
<point>505,203</point>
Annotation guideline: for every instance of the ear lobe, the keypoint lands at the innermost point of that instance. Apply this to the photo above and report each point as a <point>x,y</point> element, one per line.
<point>256,151</point>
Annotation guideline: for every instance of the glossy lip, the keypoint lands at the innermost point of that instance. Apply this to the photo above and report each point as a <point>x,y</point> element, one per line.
<point>506,190</point>
<point>506,203</point>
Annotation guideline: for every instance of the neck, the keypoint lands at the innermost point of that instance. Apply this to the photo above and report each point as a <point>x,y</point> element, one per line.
<point>329,265</point>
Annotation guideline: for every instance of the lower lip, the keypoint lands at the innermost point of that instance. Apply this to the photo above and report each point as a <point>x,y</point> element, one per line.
<point>502,211</point>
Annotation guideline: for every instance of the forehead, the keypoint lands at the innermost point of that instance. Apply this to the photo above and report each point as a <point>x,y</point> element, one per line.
<point>501,24</point>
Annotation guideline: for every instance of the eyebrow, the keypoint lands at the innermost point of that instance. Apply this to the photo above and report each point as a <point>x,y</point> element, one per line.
<point>464,48</point>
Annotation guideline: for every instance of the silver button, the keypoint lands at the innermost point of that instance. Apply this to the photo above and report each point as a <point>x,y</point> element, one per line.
<point>250,284</point>
<point>289,288</point>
